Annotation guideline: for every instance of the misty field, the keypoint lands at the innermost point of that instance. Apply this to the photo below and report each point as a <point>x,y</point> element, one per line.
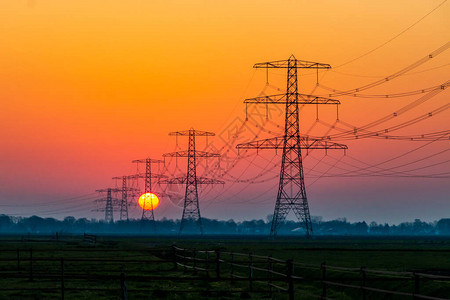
<point>147,268</point>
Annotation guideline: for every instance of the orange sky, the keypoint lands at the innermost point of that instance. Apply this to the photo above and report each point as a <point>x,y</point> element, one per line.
<point>88,86</point>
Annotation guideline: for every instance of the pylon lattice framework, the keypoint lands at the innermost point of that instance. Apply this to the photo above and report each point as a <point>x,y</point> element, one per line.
<point>109,217</point>
<point>148,214</point>
<point>291,190</point>
<point>126,191</point>
<point>191,210</point>
<point>110,203</point>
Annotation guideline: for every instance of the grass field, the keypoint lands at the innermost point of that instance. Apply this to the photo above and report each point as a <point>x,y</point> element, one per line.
<point>404,254</point>
<point>93,271</point>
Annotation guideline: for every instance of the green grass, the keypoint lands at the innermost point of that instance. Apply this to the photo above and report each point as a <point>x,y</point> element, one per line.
<point>141,255</point>
<point>384,254</point>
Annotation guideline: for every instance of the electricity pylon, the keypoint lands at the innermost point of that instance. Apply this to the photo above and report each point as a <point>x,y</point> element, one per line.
<point>110,203</point>
<point>125,192</point>
<point>291,189</point>
<point>191,210</point>
<point>148,214</point>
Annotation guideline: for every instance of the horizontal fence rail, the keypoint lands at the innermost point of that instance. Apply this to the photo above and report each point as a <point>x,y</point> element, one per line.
<point>279,275</point>
<point>237,273</point>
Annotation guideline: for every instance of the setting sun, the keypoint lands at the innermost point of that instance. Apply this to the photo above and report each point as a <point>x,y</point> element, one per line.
<point>148,201</point>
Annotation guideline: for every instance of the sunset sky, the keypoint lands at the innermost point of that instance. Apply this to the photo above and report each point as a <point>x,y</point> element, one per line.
<point>87,86</point>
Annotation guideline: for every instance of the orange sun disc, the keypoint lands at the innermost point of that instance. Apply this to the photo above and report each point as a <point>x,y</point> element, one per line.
<point>148,201</point>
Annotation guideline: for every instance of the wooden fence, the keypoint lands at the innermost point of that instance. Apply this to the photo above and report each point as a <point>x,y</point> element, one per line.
<point>288,277</point>
<point>235,273</point>
<point>88,238</point>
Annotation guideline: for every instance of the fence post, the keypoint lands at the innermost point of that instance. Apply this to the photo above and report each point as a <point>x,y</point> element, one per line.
<point>270,268</point>
<point>363,282</point>
<point>31,264</point>
<point>174,252</point>
<point>194,256</point>
<point>324,285</point>
<point>18,260</point>
<point>184,259</point>
<point>250,273</point>
<point>207,264</point>
<point>232,267</point>
<point>290,279</point>
<point>123,286</point>
<point>218,264</point>
<point>62,278</point>
<point>416,285</point>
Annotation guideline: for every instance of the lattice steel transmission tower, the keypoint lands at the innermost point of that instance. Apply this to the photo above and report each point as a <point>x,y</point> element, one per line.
<point>109,217</point>
<point>191,210</point>
<point>110,203</point>
<point>291,189</point>
<point>126,191</point>
<point>148,175</point>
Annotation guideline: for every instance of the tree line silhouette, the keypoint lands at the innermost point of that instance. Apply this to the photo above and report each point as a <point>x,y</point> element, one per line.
<point>71,225</point>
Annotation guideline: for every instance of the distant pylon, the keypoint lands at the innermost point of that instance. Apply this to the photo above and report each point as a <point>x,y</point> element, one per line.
<point>109,203</point>
<point>191,210</point>
<point>125,190</point>
<point>149,214</point>
<point>109,217</point>
<point>124,203</point>
<point>291,190</point>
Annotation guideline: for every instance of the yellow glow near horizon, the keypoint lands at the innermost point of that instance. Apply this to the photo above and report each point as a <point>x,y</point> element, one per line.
<point>148,201</point>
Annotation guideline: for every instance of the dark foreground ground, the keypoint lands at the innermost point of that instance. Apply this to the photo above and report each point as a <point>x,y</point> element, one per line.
<point>40,267</point>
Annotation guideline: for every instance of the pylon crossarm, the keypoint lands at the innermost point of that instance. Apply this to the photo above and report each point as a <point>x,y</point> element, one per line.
<point>177,180</point>
<point>281,99</point>
<point>114,201</point>
<point>113,190</point>
<point>200,180</point>
<point>273,143</point>
<point>143,175</point>
<point>278,143</point>
<point>194,132</point>
<point>133,176</point>
<point>301,64</point>
<point>205,180</point>
<point>321,144</point>
<point>145,160</point>
<point>187,153</point>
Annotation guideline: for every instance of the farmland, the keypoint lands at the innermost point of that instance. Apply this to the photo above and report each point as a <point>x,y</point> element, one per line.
<point>41,267</point>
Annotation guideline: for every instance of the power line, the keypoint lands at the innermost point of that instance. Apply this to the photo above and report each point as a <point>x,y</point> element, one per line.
<point>437,176</point>
<point>61,201</point>
<point>395,95</point>
<point>384,119</point>
<point>392,76</point>
<point>376,166</point>
<point>380,76</point>
<point>394,37</point>
<point>83,206</point>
